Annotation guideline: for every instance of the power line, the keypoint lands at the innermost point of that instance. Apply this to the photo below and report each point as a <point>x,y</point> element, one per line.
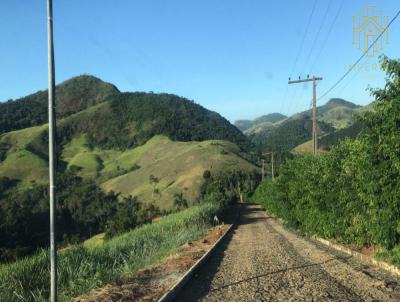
<point>299,53</point>
<point>304,37</point>
<point>327,36</point>
<point>300,91</point>
<point>349,80</point>
<point>360,58</point>
<point>317,36</point>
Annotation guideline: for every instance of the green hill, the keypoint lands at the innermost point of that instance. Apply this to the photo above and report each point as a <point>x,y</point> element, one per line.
<point>243,125</point>
<point>338,113</point>
<point>120,139</point>
<point>72,96</point>
<point>327,141</point>
<point>131,119</point>
<point>178,166</point>
<point>335,121</point>
<point>287,134</point>
<point>122,158</point>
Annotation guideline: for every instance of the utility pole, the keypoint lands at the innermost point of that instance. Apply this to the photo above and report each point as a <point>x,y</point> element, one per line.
<point>52,128</point>
<point>272,165</point>
<point>314,117</point>
<point>314,110</point>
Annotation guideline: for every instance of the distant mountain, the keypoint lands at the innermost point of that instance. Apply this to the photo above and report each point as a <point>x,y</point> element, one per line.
<point>287,134</point>
<point>336,120</point>
<point>337,112</point>
<point>269,118</point>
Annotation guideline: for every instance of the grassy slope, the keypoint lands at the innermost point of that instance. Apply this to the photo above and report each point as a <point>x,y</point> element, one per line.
<point>271,118</point>
<point>179,166</point>
<point>304,147</point>
<point>345,127</point>
<point>82,269</point>
<point>21,163</point>
<point>339,117</point>
<point>327,141</point>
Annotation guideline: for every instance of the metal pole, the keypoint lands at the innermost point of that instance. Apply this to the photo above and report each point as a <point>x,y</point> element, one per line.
<point>315,138</point>
<point>52,126</point>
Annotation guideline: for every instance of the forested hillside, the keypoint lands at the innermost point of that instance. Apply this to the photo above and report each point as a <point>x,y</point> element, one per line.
<point>337,119</point>
<point>350,193</point>
<point>130,119</point>
<point>73,96</point>
<point>140,153</point>
<point>287,134</point>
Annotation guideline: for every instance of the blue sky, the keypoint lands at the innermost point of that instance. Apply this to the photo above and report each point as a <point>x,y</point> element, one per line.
<point>233,57</point>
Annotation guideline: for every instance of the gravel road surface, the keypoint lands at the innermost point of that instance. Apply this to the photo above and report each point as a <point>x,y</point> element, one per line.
<point>261,260</point>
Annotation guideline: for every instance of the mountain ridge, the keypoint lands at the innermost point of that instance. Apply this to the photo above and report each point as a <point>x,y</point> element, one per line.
<point>334,118</point>
<point>72,96</point>
<point>100,134</point>
<point>268,118</point>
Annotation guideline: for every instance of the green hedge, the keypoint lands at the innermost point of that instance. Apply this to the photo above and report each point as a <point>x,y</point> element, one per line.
<point>353,192</point>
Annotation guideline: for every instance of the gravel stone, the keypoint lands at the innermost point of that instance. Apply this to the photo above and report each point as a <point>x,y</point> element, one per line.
<point>261,260</point>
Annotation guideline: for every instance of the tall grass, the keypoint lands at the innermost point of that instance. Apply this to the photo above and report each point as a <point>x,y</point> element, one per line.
<point>81,269</point>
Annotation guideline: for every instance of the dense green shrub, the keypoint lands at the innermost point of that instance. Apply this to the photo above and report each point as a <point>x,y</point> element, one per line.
<point>129,213</point>
<point>351,193</point>
<point>229,186</point>
<point>83,210</point>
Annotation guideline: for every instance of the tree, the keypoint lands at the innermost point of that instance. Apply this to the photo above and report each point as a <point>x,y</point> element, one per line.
<point>153,181</point>
<point>180,202</point>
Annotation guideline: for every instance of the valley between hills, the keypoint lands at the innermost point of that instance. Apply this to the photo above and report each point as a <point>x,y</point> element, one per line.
<point>140,176</point>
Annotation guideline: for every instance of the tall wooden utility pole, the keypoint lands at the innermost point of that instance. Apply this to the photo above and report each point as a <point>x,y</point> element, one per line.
<point>272,166</point>
<point>263,166</point>
<point>314,110</point>
<point>314,117</point>
<point>52,129</point>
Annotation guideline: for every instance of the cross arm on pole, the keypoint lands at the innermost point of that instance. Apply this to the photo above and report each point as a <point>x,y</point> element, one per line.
<point>304,80</point>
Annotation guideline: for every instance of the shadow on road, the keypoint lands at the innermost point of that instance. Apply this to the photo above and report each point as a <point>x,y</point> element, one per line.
<point>284,270</point>
<point>200,284</point>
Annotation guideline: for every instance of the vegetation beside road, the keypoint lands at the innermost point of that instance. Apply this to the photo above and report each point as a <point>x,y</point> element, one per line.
<point>84,267</point>
<point>352,193</point>
<point>81,269</point>
<point>119,155</point>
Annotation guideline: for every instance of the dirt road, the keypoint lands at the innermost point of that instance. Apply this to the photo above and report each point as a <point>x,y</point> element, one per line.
<point>263,261</point>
